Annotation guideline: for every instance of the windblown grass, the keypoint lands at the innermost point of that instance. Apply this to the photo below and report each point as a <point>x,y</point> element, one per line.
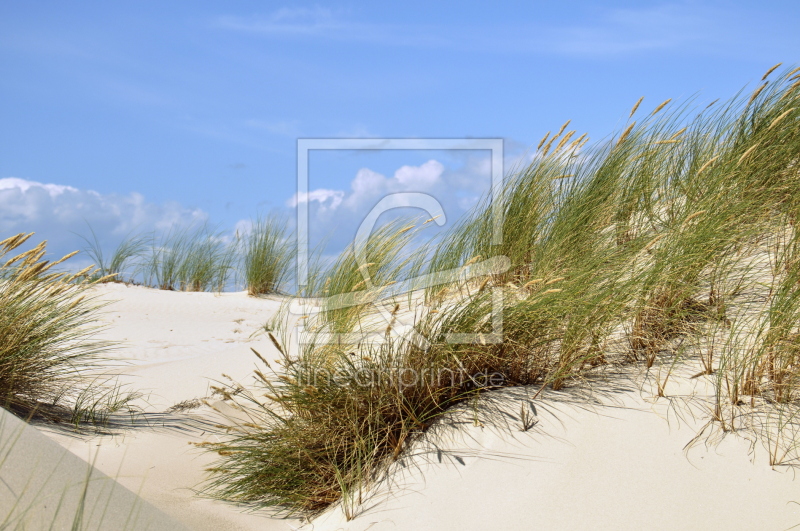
<point>196,258</point>
<point>47,343</point>
<point>674,241</point>
<point>189,259</point>
<point>361,274</point>
<point>126,253</point>
<point>267,256</point>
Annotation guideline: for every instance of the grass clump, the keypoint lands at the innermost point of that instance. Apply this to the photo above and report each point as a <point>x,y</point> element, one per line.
<point>198,259</point>
<point>47,339</point>
<point>321,431</point>
<point>114,267</point>
<point>674,241</point>
<point>189,259</point>
<point>267,256</point>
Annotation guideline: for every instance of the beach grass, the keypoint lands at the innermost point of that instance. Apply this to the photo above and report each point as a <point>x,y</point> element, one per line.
<point>191,258</point>
<point>50,357</point>
<point>267,256</point>
<point>127,253</point>
<point>673,241</point>
<point>198,258</point>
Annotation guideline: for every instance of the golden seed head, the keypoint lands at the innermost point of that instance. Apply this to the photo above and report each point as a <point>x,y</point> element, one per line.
<point>578,141</point>
<point>564,141</point>
<point>652,242</point>
<point>747,153</point>
<point>275,342</point>
<point>547,146</point>
<point>708,163</point>
<point>679,133</point>
<point>636,106</point>
<point>66,257</point>
<point>543,140</point>
<point>483,284</point>
<point>625,133</point>
<point>691,217</point>
<point>779,118</point>
<point>757,92</point>
<point>771,70</point>
<point>664,104</point>
<point>472,260</point>
<point>790,91</point>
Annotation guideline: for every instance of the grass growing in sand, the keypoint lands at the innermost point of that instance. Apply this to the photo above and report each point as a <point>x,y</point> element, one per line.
<point>674,241</point>
<point>196,258</point>
<point>267,256</point>
<point>114,267</point>
<point>188,259</point>
<point>47,324</point>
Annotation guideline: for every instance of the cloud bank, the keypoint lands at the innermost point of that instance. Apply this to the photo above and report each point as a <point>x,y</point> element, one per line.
<point>59,213</point>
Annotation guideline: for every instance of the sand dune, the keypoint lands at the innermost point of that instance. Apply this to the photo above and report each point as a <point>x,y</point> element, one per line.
<point>614,460</point>
<point>584,466</point>
<point>176,345</point>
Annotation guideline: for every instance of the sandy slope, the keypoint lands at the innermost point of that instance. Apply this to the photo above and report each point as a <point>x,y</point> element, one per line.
<point>176,345</point>
<point>618,464</point>
<point>44,486</point>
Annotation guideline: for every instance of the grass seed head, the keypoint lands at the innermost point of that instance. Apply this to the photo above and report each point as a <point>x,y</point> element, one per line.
<point>661,106</point>
<point>625,133</point>
<point>635,107</point>
<point>756,92</point>
<point>771,70</point>
<point>543,140</point>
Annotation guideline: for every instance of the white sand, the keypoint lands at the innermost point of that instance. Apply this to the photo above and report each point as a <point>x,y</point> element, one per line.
<point>43,486</point>
<point>177,345</point>
<point>617,466</point>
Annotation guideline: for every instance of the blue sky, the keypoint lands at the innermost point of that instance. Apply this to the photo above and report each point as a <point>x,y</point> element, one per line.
<point>140,115</point>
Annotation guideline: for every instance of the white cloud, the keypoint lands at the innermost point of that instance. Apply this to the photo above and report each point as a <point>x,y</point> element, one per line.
<point>56,212</point>
<point>369,186</point>
<point>422,177</point>
<point>53,189</point>
<point>286,21</point>
<point>327,199</point>
<point>336,214</point>
<point>367,182</point>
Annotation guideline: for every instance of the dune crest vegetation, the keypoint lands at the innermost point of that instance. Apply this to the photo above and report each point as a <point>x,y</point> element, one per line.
<point>673,242</point>
<point>197,258</point>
